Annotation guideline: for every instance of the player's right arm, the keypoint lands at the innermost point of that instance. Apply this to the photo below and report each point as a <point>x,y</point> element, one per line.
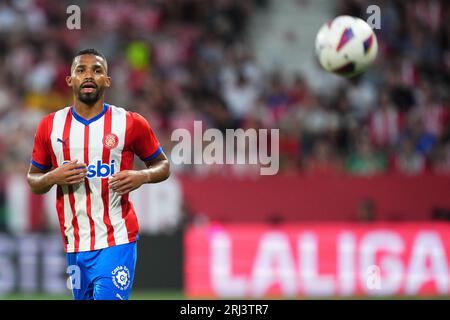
<point>70,173</point>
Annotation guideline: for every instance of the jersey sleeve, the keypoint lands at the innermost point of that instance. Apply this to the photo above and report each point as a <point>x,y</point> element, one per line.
<point>145,144</point>
<point>41,157</point>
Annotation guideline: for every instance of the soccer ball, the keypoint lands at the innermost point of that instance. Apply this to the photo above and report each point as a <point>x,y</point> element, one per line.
<point>346,46</point>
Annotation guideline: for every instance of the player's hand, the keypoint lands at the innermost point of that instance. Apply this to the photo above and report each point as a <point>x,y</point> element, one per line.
<point>125,181</point>
<point>70,173</point>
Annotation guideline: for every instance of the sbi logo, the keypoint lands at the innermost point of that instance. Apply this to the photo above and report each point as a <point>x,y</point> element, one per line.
<point>99,169</point>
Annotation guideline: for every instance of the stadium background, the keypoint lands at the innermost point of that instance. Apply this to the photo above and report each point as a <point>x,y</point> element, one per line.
<point>364,164</point>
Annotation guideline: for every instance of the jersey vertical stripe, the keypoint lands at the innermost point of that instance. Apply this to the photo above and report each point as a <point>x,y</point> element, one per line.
<point>105,190</point>
<point>127,162</point>
<point>76,144</point>
<point>64,223</point>
<point>118,126</point>
<point>88,191</point>
<point>62,198</point>
<point>66,139</point>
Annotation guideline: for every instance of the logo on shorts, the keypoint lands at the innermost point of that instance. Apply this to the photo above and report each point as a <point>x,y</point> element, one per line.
<point>110,141</point>
<point>121,277</point>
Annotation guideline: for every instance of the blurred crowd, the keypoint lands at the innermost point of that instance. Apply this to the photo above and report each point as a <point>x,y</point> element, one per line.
<point>177,61</point>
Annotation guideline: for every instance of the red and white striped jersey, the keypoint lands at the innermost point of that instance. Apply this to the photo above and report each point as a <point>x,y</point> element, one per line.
<point>91,216</point>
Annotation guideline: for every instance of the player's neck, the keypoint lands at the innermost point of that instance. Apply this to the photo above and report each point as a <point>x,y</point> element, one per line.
<point>88,111</point>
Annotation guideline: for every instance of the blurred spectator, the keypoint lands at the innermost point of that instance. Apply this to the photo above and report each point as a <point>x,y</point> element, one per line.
<point>402,95</point>
<point>441,160</point>
<point>366,161</point>
<point>409,161</point>
<point>277,97</point>
<point>362,97</point>
<point>323,160</point>
<point>299,91</point>
<point>415,130</point>
<point>316,121</point>
<point>430,110</point>
<point>240,97</point>
<point>385,123</point>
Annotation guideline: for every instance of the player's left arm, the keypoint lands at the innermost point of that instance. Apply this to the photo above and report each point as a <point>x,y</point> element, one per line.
<point>158,169</point>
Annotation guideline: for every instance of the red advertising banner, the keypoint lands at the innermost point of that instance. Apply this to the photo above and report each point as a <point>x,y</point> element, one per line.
<point>321,198</point>
<point>325,259</point>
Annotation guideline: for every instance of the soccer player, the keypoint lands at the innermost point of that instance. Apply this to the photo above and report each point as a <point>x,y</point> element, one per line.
<point>87,150</point>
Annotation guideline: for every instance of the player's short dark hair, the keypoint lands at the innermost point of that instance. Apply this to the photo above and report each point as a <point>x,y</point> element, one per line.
<point>90,51</point>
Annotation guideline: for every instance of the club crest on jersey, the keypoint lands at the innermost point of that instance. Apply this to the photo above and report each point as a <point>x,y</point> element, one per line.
<point>110,141</point>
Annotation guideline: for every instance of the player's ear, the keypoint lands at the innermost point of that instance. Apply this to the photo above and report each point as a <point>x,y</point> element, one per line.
<point>108,82</point>
<point>69,81</point>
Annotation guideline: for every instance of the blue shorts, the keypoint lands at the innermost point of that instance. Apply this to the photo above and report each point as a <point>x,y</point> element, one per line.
<point>105,274</point>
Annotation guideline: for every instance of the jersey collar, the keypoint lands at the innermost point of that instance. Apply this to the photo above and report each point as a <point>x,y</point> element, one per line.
<point>87,122</point>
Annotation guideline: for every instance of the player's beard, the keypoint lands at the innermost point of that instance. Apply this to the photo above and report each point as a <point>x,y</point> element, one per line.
<point>91,97</point>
